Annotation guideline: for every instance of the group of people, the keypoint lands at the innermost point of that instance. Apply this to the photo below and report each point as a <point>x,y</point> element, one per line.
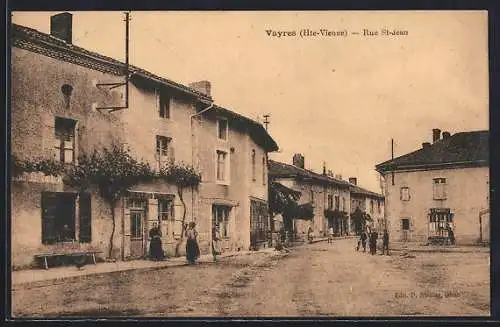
<point>156,252</point>
<point>372,237</point>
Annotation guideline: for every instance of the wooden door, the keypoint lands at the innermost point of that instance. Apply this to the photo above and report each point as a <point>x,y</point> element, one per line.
<point>137,240</point>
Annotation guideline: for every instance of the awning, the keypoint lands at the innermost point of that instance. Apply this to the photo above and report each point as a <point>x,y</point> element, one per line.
<point>303,211</point>
<point>223,202</point>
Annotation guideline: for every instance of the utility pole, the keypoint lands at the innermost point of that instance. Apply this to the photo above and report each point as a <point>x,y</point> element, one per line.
<point>392,159</point>
<point>127,41</point>
<point>113,85</point>
<point>266,120</point>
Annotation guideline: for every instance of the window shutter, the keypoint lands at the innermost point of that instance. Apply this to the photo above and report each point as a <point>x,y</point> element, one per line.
<point>85,218</point>
<point>49,210</point>
<point>411,224</point>
<point>171,152</point>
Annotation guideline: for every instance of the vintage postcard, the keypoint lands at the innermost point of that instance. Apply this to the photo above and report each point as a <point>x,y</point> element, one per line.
<point>249,164</point>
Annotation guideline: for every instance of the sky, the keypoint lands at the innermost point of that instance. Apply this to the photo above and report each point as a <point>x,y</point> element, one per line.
<point>336,100</point>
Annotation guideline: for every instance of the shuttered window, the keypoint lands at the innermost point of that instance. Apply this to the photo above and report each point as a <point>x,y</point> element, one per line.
<point>49,211</point>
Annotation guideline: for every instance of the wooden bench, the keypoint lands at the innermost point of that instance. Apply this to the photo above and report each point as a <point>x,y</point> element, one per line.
<point>82,253</point>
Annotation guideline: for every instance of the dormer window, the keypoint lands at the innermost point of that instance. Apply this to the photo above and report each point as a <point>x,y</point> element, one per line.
<point>222,129</point>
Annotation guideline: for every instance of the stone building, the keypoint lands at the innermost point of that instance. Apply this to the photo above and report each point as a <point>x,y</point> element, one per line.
<point>58,90</point>
<point>439,186</point>
<point>322,191</point>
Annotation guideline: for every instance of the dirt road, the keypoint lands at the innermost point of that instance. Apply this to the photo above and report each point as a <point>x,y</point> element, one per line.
<point>313,280</point>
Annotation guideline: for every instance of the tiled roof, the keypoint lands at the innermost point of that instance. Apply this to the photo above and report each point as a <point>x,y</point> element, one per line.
<point>283,170</point>
<point>361,191</point>
<point>458,150</point>
<point>24,37</point>
<point>23,32</point>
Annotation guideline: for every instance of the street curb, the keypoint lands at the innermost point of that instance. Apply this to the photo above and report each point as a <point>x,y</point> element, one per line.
<point>173,263</point>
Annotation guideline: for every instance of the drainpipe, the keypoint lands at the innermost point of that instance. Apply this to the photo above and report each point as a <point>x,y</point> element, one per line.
<point>191,117</point>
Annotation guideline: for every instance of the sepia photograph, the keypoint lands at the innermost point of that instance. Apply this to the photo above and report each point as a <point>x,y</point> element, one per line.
<point>277,164</point>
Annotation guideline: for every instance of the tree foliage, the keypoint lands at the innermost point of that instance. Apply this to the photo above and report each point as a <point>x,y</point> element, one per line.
<point>182,176</point>
<point>359,219</point>
<point>281,198</point>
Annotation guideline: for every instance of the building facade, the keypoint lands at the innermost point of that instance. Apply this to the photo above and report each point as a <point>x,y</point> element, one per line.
<point>442,186</point>
<point>58,92</point>
<point>323,192</point>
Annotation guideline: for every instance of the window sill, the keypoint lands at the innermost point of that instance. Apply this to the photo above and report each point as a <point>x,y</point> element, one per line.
<point>219,182</point>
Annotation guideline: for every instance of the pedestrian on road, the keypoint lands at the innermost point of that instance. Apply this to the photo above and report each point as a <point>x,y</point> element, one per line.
<point>155,246</point>
<point>385,242</point>
<point>330,234</point>
<point>373,242</point>
<point>451,235</point>
<point>216,237</point>
<point>192,248</point>
<point>362,240</point>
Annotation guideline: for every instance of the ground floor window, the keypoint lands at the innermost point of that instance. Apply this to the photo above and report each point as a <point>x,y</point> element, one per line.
<point>59,217</point>
<point>259,221</point>
<point>220,216</point>
<point>440,220</point>
<point>405,229</point>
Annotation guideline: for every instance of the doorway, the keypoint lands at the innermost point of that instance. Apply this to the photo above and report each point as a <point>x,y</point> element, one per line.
<point>136,233</point>
<point>405,229</point>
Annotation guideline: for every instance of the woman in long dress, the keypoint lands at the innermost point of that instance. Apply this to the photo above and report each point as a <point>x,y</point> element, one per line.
<point>155,246</point>
<point>192,249</point>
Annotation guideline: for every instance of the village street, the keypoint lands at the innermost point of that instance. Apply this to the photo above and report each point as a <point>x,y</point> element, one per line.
<point>319,279</point>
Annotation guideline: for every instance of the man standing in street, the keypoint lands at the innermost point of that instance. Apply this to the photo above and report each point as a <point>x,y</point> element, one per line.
<point>385,242</point>
<point>373,242</point>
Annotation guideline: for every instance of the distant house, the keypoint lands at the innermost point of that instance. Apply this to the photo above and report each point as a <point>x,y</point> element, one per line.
<point>367,202</point>
<point>322,192</point>
<point>440,186</point>
<point>56,89</point>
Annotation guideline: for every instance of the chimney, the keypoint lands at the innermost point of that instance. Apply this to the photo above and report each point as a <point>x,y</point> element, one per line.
<point>329,173</point>
<point>425,145</point>
<point>338,176</point>
<point>203,87</point>
<point>436,135</point>
<point>324,169</point>
<point>446,135</point>
<point>353,180</point>
<point>61,27</point>
<point>298,160</point>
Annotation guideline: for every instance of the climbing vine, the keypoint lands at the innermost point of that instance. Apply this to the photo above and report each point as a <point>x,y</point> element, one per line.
<point>49,167</point>
<point>113,171</point>
<point>182,176</point>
